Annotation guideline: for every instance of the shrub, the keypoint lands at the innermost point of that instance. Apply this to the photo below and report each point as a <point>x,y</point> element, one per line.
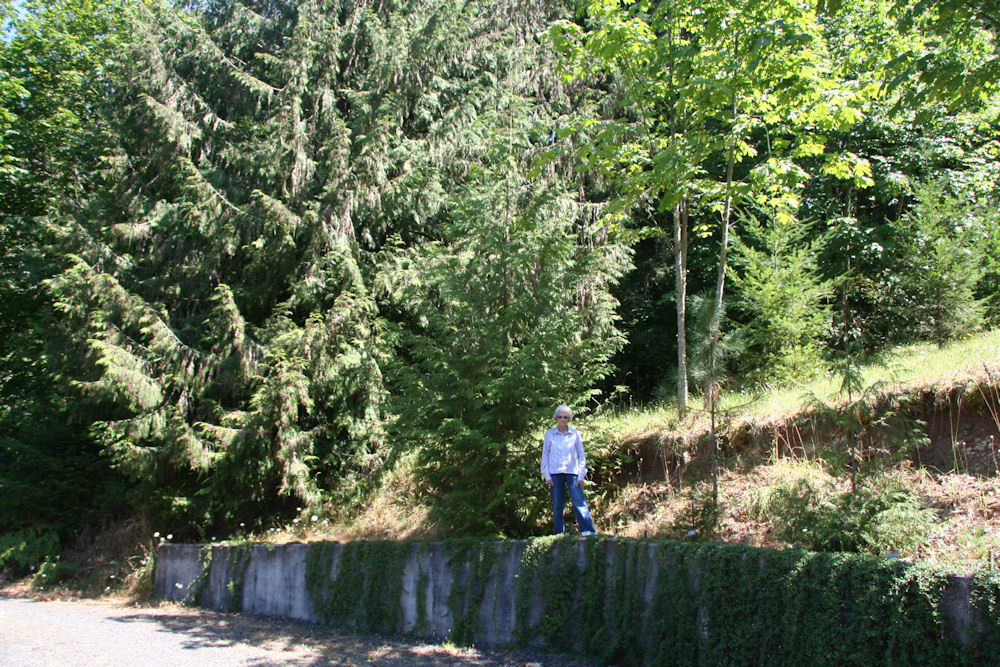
<point>51,572</point>
<point>783,298</point>
<point>23,550</point>
<point>811,510</point>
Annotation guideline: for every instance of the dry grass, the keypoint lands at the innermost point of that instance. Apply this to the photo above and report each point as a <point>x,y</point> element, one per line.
<point>383,517</point>
<point>966,535</point>
<point>395,511</point>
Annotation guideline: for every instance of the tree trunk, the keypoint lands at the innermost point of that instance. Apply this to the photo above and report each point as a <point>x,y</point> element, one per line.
<point>680,269</point>
<point>720,282</point>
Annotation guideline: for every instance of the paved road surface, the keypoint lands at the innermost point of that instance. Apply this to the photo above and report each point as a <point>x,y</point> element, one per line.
<point>36,633</point>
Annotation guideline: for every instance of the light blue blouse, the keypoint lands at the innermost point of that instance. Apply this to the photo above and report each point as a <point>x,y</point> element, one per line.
<point>563,453</point>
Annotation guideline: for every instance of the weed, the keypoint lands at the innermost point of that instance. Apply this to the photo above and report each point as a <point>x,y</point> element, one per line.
<point>701,519</point>
<point>812,510</point>
<point>24,551</point>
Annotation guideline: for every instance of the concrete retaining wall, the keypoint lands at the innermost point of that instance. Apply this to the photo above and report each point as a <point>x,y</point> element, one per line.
<point>439,591</point>
<point>274,583</point>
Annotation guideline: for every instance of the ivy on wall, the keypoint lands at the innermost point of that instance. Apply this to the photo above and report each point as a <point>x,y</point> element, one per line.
<point>720,604</point>
<point>197,587</point>
<point>476,559</point>
<point>364,592</point>
<point>986,602</point>
<point>234,556</point>
<point>659,603</point>
<point>239,560</point>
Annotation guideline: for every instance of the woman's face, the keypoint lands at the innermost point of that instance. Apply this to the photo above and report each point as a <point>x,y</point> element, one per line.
<point>562,420</point>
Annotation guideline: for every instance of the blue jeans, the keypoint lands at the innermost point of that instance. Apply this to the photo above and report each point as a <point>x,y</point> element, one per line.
<point>559,483</point>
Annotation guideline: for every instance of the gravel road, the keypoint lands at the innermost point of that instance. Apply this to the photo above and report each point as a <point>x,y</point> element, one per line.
<point>38,632</point>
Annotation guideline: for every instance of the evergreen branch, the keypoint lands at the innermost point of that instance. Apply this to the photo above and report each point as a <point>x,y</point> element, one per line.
<point>205,41</point>
<point>200,182</point>
<point>108,287</point>
<point>173,122</point>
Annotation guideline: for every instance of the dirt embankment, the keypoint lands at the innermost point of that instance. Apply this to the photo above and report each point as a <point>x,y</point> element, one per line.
<point>944,446</point>
<point>957,431</point>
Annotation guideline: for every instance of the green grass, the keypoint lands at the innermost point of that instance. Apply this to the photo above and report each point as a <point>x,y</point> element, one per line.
<point>908,368</point>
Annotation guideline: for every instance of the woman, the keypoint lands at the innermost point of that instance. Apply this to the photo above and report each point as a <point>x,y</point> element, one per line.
<point>564,465</point>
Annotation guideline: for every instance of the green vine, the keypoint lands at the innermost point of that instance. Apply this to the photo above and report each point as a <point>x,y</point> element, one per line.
<point>594,602</point>
<point>319,562</point>
<point>673,628</point>
<point>366,593</point>
<point>465,602</point>
<point>660,603</point>
<point>559,589</point>
<point>668,603</point>
<point>986,603</point>
<point>239,558</point>
<point>421,623</point>
<point>197,587</point>
<point>532,559</point>
<point>624,606</point>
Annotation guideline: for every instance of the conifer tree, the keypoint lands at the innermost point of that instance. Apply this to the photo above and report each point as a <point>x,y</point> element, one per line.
<point>783,299</point>
<point>511,315</point>
<point>223,293</point>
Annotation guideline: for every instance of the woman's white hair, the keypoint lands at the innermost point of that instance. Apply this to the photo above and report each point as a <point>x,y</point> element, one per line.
<point>563,408</point>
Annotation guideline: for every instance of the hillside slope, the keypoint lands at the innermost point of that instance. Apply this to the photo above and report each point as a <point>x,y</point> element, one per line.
<point>927,446</point>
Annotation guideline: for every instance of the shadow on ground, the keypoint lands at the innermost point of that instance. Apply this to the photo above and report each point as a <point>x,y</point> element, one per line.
<point>299,643</point>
